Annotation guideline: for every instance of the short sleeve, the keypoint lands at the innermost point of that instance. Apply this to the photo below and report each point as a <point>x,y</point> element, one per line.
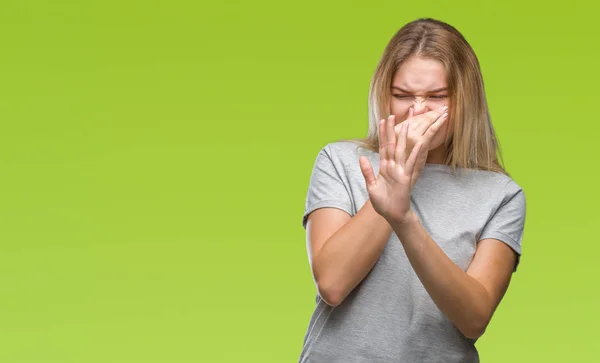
<point>508,221</point>
<point>327,187</point>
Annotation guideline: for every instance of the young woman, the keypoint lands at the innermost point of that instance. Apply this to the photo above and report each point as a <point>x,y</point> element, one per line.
<point>414,232</point>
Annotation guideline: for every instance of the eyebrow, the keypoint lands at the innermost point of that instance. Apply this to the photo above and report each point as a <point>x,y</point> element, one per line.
<point>432,91</point>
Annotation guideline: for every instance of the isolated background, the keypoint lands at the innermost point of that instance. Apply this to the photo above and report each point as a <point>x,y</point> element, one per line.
<point>154,160</point>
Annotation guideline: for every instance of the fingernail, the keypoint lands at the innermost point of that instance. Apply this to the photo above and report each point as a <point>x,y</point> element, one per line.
<point>444,108</point>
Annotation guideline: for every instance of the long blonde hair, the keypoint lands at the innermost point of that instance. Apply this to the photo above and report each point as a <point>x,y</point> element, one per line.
<point>473,143</point>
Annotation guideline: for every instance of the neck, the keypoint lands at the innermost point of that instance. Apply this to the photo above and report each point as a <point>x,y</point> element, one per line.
<point>436,156</point>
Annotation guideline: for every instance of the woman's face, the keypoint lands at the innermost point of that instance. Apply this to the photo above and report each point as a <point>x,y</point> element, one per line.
<point>420,84</point>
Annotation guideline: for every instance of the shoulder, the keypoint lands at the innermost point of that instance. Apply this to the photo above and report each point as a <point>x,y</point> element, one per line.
<point>341,159</point>
<point>342,147</point>
<point>514,195</point>
<point>491,180</point>
<point>503,183</point>
<point>500,190</point>
<point>477,186</point>
<point>346,152</point>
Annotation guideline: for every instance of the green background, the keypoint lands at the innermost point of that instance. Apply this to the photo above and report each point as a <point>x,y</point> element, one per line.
<point>154,160</point>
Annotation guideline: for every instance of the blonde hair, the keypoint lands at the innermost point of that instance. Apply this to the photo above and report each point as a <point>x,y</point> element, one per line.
<point>473,143</point>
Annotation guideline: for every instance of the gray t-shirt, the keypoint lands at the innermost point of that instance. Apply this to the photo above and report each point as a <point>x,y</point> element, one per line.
<point>389,316</point>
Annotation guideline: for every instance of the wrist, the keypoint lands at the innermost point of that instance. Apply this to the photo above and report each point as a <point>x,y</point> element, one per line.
<point>410,218</point>
<point>378,218</point>
<point>408,228</point>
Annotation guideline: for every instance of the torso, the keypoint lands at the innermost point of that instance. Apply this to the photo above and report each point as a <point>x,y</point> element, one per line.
<point>389,316</point>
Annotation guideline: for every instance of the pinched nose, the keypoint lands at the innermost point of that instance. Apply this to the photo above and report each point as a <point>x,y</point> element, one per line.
<point>419,107</point>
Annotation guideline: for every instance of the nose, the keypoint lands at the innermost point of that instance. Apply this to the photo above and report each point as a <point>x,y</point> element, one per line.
<point>419,107</point>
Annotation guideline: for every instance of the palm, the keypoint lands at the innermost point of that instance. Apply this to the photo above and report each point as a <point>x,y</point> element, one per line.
<point>390,191</point>
<point>390,194</point>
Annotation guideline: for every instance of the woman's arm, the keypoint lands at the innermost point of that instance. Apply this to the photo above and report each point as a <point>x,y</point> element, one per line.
<point>343,249</point>
<point>469,298</point>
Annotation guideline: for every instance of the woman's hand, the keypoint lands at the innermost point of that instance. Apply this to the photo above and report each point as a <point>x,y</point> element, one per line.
<point>421,129</point>
<point>389,192</point>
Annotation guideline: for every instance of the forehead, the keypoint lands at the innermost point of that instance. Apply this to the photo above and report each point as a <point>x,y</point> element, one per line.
<point>420,74</point>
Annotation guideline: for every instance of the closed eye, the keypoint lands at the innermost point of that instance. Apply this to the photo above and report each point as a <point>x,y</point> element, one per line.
<point>436,97</point>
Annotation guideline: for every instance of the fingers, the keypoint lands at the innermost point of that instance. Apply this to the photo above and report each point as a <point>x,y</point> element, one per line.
<point>367,171</point>
<point>411,113</point>
<point>399,126</point>
<point>400,153</point>
<point>381,131</point>
<point>387,138</point>
<point>410,163</point>
<point>434,128</point>
<point>430,118</point>
<point>390,137</point>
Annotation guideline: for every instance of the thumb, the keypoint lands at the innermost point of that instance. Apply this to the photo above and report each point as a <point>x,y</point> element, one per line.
<point>367,171</point>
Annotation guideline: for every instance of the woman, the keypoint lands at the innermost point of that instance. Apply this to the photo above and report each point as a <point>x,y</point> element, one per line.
<point>414,232</point>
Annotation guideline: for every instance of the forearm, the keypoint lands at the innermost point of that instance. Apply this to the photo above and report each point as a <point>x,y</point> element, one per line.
<point>350,253</point>
<point>459,296</point>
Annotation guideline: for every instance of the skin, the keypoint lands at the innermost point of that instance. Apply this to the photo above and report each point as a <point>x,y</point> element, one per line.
<point>425,80</point>
<point>468,298</point>
<point>343,249</point>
